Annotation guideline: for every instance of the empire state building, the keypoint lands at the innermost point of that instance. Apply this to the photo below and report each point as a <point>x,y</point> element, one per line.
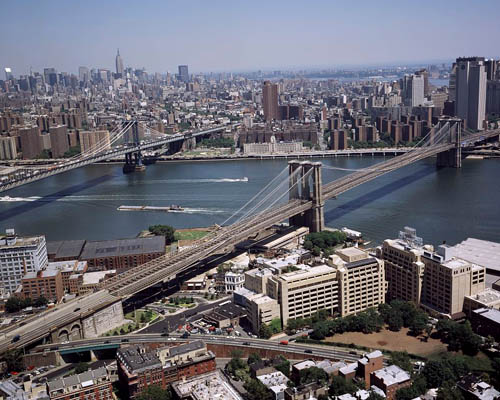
<point>119,64</point>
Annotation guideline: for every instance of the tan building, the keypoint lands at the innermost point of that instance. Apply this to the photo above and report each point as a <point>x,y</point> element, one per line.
<point>8,149</point>
<point>256,279</point>
<point>361,281</point>
<point>90,140</point>
<point>488,298</point>
<point>448,281</point>
<point>404,270</point>
<point>303,292</point>
<point>68,268</point>
<point>31,142</point>
<point>261,309</point>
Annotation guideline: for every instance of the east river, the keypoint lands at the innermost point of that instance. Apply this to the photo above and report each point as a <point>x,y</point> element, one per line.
<point>443,205</point>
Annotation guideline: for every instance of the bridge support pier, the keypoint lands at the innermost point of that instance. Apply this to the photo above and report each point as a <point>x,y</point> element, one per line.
<point>313,218</point>
<point>453,157</point>
<point>133,161</point>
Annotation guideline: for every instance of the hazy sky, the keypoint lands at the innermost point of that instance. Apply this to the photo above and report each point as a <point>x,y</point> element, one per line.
<point>220,35</point>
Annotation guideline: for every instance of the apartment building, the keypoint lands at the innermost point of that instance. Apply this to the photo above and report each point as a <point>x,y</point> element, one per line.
<point>303,292</point>
<point>18,256</point>
<point>447,281</point>
<point>256,279</point>
<point>404,270</point>
<point>361,280</point>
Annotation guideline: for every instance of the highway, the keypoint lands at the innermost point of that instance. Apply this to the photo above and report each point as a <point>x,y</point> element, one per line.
<point>316,350</point>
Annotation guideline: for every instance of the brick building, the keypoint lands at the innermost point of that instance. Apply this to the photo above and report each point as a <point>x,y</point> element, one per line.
<point>90,385</point>
<point>43,283</point>
<point>140,367</point>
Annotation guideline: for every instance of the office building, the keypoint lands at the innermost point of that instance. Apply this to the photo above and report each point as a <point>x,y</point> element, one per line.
<point>183,73</point>
<point>261,309</point>
<point>404,270</point>
<point>270,101</point>
<point>361,280</point>
<point>470,103</point>
<point>59,140</point>
<point>8,149</point>
<point>8,74</point>
<point>303,292</point>
<point>94,141</point>
<point>18,256</point>
<point>412,87</point>
<point>447,280</point>
<point>122,254</point>
<point>90,385</point>
<point>119,65</point>
<point>83,74</point>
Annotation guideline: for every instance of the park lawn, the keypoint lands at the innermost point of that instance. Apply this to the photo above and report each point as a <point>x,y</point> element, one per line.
<point>190,235</point>
<point>393,341</point>
<point>137,315</point>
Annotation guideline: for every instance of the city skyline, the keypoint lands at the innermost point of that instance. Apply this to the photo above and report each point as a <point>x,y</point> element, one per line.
<point>225,37</point>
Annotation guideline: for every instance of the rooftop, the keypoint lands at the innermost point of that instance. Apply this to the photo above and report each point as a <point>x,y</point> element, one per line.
<point>208,386</point>
<point>65,249</point>
<point>275,378</point>
<point>309,273</point>
<point>490,313</point>
<point>481,252</point>
<point>84,379</point>
<point>123,247</point>
<point>392,375</point>
<point>93,278</point>
<point>137,358</point>
<point>488,296</point>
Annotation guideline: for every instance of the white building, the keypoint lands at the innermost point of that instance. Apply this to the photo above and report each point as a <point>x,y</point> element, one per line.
<point>18,256</point>
<point>233,281</point>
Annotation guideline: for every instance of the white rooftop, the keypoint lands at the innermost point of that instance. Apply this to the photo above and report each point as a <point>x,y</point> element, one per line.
<point>482,252</point>
<point>488,297</point>
<point>273,379</point>
<point>304,364</point>
<point>392,375</point>
<point>93,278</point>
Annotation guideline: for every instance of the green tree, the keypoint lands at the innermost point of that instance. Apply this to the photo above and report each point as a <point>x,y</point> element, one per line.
<point>340,386</point>
<point>252,358</point>
<point>448,391</point>
<point>14,360</point>
<point>143,318</point>
<point>163,230</point>
<point>257,391</point>
<point>81,367</point>
<point>374,396</point>
<point>313,374</point>
<point>265,331</point>
<point>275,325</point>
<point>155,392</point>
<point>418,324</point>
<point>73,151</point>
<point>395,321</point>
<point>402,360</point>
<point>283,366</point>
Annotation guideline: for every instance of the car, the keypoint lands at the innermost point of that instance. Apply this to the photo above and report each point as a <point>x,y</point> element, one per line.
<point>185,335</point>
<point>16,338</point>
<point>284,342</point>
<point>309,351</point>
<point>164,334</point>
<point>246,343</point>
<point>125,340</point>
<point>106,342</point>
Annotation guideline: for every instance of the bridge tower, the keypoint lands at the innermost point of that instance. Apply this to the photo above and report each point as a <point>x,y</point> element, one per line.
<point>133,161</point>
<point>307,171</point>
<point>453,157</point>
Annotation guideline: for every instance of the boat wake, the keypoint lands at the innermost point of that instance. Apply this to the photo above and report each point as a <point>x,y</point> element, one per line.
<point>207,180</point>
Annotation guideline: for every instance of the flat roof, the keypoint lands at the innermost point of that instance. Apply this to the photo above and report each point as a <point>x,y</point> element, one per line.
<point>477,251</point>
<point>123,247</point>
<point>360,263</point>
<point>66,248</point>
<point>306,273</point>
<point>208,386</point>
<point>490,313</point>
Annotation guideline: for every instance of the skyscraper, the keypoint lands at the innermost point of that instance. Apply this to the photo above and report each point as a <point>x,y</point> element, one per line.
<point>183,73</point>
<point>470,103</point>
<point>119,64</point>
<point>270,100</point>
<point>413,90</point>
<point>8,74</point>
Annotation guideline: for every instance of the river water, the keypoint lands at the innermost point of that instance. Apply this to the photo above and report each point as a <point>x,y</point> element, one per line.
<point>445,204</point>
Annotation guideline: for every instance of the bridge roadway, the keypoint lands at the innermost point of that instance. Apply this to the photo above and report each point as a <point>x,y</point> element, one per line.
<point>116,341</point>
<point>166,267</point>
<point>29,175</point>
